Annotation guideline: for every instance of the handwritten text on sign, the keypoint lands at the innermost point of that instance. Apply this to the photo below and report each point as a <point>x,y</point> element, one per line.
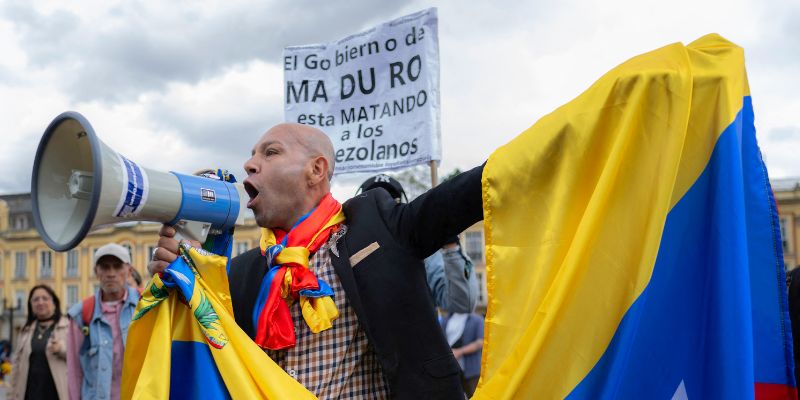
<point>375,93</point>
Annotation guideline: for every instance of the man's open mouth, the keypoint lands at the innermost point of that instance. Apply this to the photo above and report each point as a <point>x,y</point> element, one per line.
<point>251,191</point>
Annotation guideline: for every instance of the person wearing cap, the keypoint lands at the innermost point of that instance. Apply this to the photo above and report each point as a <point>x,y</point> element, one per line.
<point>99,327</point>
<point>451,279</point>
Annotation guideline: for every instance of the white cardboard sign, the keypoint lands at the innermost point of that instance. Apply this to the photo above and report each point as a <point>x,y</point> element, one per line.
<point>375,93</point>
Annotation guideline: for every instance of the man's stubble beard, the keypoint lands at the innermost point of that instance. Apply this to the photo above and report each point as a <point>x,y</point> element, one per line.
<point>112,289</point>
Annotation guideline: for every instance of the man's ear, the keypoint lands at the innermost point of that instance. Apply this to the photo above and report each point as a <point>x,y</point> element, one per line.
<point>318,170</point>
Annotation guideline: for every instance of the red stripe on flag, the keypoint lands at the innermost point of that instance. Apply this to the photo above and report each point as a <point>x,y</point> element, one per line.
<point>774,391</point>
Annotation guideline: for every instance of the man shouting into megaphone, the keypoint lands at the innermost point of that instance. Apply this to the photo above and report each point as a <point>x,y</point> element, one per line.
<point>369,329</point>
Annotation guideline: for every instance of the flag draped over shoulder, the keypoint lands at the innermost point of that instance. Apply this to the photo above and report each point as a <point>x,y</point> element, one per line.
<point>632,242</point>
<point>184,342</point>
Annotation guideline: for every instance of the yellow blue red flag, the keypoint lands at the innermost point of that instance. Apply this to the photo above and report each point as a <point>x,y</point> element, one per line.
<point>633,249</point>
<point>184,342</point>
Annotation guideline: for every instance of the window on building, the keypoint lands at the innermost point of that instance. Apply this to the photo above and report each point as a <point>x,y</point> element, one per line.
<point>91,252</point>
<point>128,247</point>
<point>241,247</point>
<point>473,244</point>
<point>72,295</point>
<point>72,263</point>
<point>19,300</point>
<point>784,234</point>
<point>150,253</point>
<point>20,265</point>
<point>482,296</point>
<point>45,264</point>
<point>20,222</point>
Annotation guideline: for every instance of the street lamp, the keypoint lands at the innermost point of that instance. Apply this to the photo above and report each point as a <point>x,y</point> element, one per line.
<point>10,311</point>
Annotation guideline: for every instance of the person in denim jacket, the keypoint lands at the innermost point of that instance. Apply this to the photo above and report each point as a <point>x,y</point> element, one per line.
<point>99,327</point>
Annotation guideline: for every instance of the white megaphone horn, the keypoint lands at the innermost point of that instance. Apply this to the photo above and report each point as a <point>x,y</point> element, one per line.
<point>79,184</point>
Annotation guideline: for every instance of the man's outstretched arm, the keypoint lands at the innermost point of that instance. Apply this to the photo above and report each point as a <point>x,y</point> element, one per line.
<point>427,222</point>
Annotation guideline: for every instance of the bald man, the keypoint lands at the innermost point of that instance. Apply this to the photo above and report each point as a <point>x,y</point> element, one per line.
<point>386,341</point>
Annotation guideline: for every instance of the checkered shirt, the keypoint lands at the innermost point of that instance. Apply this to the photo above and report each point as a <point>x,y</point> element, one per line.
<point>338,363</point>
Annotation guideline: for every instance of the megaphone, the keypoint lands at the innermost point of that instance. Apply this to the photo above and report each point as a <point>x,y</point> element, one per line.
<point>79,183</point>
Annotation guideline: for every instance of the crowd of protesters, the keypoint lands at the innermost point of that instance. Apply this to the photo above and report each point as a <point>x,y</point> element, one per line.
<point>79,355</point>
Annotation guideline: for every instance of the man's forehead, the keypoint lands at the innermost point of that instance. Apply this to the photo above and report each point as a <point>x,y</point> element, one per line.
<point>108,260</point>
<point>277,135</point>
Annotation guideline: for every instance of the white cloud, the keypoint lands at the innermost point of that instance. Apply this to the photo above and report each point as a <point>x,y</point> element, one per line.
<point>113,51</point>
<point>165,83</point>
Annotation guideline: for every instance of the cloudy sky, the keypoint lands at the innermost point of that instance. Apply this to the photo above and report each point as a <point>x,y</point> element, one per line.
<point>181,85</point>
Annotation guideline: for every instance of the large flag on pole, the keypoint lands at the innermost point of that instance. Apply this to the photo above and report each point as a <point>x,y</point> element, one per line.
<point>633,249</point>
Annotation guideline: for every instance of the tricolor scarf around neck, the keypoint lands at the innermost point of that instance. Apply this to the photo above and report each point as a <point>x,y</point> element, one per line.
<point>288,278</point>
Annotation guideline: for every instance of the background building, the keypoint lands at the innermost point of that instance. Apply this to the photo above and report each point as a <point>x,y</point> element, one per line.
<point>26,261</point>
<point>472,241</point>
<point>787,195</point>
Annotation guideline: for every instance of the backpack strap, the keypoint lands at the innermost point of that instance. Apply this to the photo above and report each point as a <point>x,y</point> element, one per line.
<point>87,311</point>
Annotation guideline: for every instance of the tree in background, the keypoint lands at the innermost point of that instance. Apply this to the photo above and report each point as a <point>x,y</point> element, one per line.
<point>417,180</point>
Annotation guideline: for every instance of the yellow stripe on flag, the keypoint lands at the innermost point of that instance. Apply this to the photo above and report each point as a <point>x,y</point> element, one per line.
<point>247,371</point>
<point>574,209</point>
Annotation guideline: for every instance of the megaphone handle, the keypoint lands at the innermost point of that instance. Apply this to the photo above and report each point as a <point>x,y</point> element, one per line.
<point>192,230</point>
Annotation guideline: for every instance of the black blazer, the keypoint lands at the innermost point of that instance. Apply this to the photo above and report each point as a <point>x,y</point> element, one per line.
<point>386,283</point>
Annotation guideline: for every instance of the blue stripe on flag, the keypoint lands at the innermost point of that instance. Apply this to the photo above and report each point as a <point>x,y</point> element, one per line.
<point>771,327</point>
<point>263,295</point>
<point>713,283</point>
<point>193,373</point>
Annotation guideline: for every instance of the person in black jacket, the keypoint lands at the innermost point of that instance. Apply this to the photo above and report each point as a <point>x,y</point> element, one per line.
<point>450,275</point>
<point>386,340</point>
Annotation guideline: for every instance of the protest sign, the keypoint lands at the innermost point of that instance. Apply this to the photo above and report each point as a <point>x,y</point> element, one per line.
<point>375,93</point>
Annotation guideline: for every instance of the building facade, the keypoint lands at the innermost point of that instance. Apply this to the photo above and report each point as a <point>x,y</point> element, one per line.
<point>787,195</point>
<point>26,261</point>
<point>472,241</point>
